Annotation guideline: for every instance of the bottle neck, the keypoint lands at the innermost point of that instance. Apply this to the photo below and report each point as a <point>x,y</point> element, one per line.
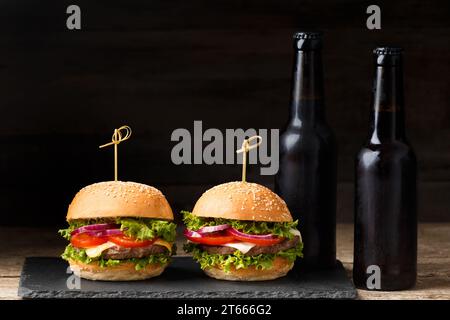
<point>387,116</point>
<point>307,102</point>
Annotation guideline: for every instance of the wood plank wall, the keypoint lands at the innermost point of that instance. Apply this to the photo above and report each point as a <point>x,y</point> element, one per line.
<point>159,65</point>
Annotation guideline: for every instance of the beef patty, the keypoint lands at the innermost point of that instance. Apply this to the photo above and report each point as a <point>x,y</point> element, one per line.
<point>117,252</point>
<point>283,245</point>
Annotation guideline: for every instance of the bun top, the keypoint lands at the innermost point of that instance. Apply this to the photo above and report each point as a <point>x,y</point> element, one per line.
<point>119,199</point>
<point>242,201</point>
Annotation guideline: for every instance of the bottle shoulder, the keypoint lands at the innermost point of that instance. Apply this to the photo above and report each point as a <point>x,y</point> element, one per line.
<point>311,129</point>
<point>307,138</point>
<point>395,150</point>
<point>388,145</point>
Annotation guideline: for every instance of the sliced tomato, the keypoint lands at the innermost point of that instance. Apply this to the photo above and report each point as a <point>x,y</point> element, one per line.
<point>83,240</point>
<point>263,242</point>
<point>128,242</point>
<point>212,239</point>
<point>258,242</point>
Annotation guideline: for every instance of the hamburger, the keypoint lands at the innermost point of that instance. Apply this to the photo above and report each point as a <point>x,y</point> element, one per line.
<point>243,232</point>
<point>119,231</point>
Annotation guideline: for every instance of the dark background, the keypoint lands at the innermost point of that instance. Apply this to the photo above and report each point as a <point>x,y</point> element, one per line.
<point>160,65</point>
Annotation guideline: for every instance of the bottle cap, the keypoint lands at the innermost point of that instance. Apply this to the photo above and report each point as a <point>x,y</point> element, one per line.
<point>388,56</point>
<point>308,40</point>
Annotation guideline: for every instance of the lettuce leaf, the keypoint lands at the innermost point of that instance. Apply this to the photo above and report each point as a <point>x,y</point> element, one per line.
<point>140,228</point>
<point>239,260</point>
<point>144,229</point>
<point>281,229</point>
<point>71,253</point>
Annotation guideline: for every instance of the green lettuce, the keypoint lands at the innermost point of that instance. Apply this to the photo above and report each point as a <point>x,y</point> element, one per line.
<point>140,228</point>
<point>71,253</point>
<point>144,229</point>
<point>239,260</point>
<point>281,229</point>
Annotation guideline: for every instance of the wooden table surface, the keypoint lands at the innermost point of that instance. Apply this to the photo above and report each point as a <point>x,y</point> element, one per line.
<point>433,280</point>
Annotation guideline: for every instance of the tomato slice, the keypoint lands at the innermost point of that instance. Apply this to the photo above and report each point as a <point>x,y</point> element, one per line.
<point>263,242</point>
<point>258,242</point>
<point>212,239</point>
<point>128,242</point>
<point>84,240</point>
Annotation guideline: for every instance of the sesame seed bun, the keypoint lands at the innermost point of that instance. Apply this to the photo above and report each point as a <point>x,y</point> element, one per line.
<point>119,199</point>
<point>242,201</point>
<point>122,272</point>
<point>280,268</point>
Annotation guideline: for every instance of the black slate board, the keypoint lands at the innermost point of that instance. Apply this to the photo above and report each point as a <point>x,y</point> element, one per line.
<point>45,278</point>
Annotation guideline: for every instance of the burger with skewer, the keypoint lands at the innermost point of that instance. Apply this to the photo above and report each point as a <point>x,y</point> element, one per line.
<point>242,231</point>
<point>119,231</point>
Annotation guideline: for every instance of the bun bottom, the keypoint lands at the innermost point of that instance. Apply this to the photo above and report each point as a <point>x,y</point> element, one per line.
<point>279,269</point>
<point>121,272</point>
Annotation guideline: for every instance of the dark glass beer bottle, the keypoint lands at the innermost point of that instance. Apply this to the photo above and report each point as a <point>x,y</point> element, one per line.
<point>385,188</point>
<point>306,179</point>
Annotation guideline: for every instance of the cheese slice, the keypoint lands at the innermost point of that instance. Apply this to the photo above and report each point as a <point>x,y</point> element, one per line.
<point>163,243</point>
<point>97,251</point>
<point>243,247</point>
<point>295,232</point>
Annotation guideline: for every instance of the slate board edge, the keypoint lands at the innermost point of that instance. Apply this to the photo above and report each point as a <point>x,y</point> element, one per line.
<point>180,295</point>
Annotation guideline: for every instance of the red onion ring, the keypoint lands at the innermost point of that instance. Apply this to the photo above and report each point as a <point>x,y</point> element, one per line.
<point>235,232</point>
<point>209,229</point>
<point>94,227</point>
<point>104,233</point>
<point>192,234</point>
